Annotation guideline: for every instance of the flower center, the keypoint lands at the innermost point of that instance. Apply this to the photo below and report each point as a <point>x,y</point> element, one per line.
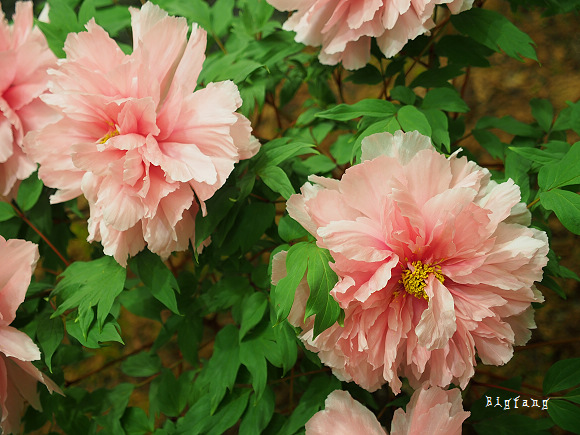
<point>414,279</point>
<point>109,135</point>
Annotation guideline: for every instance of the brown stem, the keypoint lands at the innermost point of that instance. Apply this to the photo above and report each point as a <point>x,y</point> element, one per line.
<point>534,202</point>
<point>511,390</point>
<point>42,236</point>
<point>107,365</point>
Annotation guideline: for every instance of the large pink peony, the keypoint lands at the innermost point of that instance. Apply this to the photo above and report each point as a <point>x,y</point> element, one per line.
<point>135,138</point>
<point>434,260</point>
<point>431,411</point>
<point>344,28</point>
<point>24,60</point>
<point>18,377</point>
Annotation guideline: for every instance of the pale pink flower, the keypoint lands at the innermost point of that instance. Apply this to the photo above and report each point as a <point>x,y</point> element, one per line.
<point>344,28</point>
<point>18,376</point>
<point>135,138</point>
<point>430,411</point>
<point>24,60</point>
<point>434,260</point>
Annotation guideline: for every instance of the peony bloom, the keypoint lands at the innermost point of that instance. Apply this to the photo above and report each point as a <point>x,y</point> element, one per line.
<point>24,60</point>
<point>434,260</point>
<point>344,28</point>
<point>135,138</point>
<point>431,411</point>
<point>18,377</point>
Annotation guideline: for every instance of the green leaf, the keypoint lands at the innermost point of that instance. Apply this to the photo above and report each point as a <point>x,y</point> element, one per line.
<point>447,99</point>
<point>88,284</point>
<point>565,414</point>
<point>564,173</point>
<point>142,365</point>
<point>440,127</point>
<point>289,229</point>
<point>136,422</point>
<point>286,344</point>
<point>367,107</point>
<point>321,279</point>
<point>490,142</point>
<point>319,164</point>
<point>189,334</point>
<point>543,112</point>
<point>156,277</point>
<point>255,218</point>
<point>296,263</point>
<point>218,207</point>
<point>49,333</point>
<point>276,179</point>
<point>224,364</point>
<point>6,211</point>
<point>253,309</point>
<point>463,50</point>
<point>403,94</point>
<point>562,375</point>
<point>536,155</point>
<point>369,75</point>
<point>258,414</point>
<point>510,424</point>
<point>411,119</point>
<point>256,364</point>
<point>495,31</point>
<point>28,192</point>
<point>229,414</point>
<point>168,395</point>
<point>310,403</point>
<point>279,150</point>
<point>566,205</point>
<point>86,11</point>
<point>436,77</point>
<point>94,336</point>
<point>510,125</point>
<point>572,396</point>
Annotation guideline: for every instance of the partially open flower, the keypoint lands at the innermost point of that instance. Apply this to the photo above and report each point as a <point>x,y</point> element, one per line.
<point>135,138</point>
<point>18,376</point>
<point>24,60</point>
<point>344,28</point>
<point>430,411</point>
<point>435,262</point>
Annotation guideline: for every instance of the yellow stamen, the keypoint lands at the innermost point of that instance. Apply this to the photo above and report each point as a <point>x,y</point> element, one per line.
<point>415,280</point>
<point>109,135</point>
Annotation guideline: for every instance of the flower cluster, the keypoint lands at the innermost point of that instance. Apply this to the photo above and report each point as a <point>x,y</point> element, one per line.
<point>344,29</point>
<point>18,376</point>
<point>431,411</point>
<point>135,138</point>
<point>435,262</point>
<point>24,60</point>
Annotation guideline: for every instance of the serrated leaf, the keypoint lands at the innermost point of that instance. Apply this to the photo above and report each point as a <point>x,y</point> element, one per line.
<point>88,284</point>
<point>496,32</point>
<point>258,414</point>
<point>566,205</point>
<point>276,179</point>
<point>253,309</point>
<point>224,364</point>
<point>49,333</point>
<point>367,107</point>
<point>411,119</point>
<point>543,112</point>
<point>321,279</point>
<point>156,277</point>
<point>296,263</point>
<point>447,99</point>
<point>564,173</point>
<point>565,414</point>
<point>256,364</point>
<point>562,375</point>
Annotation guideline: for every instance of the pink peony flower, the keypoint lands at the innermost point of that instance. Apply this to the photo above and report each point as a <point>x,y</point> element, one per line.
<point>135,138</point>
<point>434,260</point>
<point>24,60</point>
<point>344,28</point>
<point>18,376</point>
<point>431,411</point>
